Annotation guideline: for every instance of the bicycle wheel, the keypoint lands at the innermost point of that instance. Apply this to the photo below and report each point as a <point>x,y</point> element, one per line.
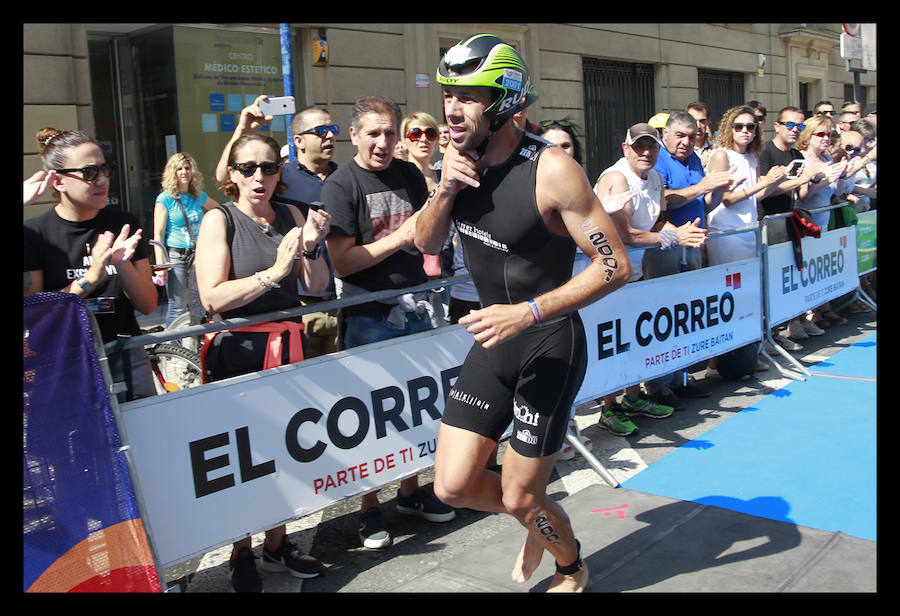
<point>191,343</point>
<point>174,367</point>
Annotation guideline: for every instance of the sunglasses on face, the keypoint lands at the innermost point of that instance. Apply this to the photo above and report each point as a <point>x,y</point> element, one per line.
<point>825,111</point>
<point>415,134</point>
<point>322,130</point>
<point>851,150</point>
<point>90,173</point>
<point>248,169</point>
<point>793,125</point>
<point>740,126</point>
<point>822,135</point>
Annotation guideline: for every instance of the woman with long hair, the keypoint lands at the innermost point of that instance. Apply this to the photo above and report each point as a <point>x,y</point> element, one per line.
<point>738,145</point>
<point>815,143</point>
<point>176,222</point>
<point>81,246</point>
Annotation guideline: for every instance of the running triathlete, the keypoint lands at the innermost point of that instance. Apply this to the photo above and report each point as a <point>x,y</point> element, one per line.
<point>521,207</point>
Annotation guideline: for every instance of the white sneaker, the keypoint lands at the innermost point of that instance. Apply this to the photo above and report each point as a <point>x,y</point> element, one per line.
<point>811,328</point>
<point>797,331</point>
<point>787,344</point>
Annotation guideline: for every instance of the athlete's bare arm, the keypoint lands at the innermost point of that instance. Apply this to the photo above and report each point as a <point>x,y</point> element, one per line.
<point>569,207</point>
<point>458,172</point>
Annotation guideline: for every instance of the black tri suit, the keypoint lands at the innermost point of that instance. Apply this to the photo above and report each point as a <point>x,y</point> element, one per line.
<point>532,379</point>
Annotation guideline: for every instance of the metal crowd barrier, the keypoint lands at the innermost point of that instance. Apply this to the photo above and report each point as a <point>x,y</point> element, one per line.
<point>198,394</point>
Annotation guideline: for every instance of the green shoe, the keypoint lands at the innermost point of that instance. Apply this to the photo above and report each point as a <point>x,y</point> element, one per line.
<point>615,421</point>
<point>642,406</point>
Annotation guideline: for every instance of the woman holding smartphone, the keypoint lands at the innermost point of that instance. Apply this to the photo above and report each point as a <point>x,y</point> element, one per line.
<point>81,246</point>
<point>251,254</point>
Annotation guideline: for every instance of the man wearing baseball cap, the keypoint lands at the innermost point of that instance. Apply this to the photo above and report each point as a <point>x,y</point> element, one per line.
<point>641,224</point>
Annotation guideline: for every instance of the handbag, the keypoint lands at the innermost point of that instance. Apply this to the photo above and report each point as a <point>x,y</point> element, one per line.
<point>195,306</point>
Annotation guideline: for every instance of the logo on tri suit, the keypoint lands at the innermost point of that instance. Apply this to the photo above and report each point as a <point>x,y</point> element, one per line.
<point>529,152</point>
<point>527,437</point>
<point>524,414</point>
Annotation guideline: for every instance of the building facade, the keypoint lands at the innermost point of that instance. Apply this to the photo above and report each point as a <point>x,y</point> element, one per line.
<point>147,91</point>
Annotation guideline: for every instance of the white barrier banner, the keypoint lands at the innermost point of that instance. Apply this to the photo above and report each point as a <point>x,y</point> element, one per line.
<point>830,270</point>
<point>655,327</point>
<point>219,461</point>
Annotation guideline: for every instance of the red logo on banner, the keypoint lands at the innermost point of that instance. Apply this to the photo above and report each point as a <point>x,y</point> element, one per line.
<point>733,280</point>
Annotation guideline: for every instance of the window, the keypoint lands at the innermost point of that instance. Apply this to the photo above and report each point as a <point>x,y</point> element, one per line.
<point>616,96</point>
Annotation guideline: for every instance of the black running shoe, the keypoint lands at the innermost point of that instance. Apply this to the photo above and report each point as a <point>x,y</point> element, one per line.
<point>288,558</point>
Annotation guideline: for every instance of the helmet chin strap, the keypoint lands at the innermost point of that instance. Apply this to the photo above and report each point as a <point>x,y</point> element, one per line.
<point>495,126</point>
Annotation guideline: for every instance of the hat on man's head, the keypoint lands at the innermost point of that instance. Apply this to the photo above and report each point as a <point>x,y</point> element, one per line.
<point>659,120</point>
<point>639,130</point>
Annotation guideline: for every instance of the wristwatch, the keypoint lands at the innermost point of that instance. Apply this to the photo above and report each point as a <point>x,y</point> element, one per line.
<point>313,254</point>
<point>84,284</point>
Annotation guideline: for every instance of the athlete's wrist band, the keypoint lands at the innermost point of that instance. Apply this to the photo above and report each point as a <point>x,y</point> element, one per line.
<point>534,311</point>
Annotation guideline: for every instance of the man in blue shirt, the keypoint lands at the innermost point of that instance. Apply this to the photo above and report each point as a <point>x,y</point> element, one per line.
<point>314,135</point>
<point>689,194</point>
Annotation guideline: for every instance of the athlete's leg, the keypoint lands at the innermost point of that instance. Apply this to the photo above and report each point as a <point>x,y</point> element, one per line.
<point>524,484</point>
<point>460,476</point>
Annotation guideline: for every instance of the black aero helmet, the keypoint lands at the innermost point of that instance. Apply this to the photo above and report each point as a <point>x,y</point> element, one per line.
<point>486,60</point>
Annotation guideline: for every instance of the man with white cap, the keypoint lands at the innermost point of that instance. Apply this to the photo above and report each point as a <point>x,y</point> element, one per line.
<point>641,226</point>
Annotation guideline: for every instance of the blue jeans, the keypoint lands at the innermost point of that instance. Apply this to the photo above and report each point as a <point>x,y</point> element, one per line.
<point>363,329</point>
<point>176,287</point>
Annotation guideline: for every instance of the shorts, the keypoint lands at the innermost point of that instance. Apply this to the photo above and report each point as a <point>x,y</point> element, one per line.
<point>530,381</point>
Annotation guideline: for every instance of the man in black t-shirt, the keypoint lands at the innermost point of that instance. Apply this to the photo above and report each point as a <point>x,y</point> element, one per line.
<point>781,151</point>
<point>778,152</point>
<point>374,200</point>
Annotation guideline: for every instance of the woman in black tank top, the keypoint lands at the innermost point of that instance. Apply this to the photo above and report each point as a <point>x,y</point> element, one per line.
<point>249,259</point>
<point>268,252</point>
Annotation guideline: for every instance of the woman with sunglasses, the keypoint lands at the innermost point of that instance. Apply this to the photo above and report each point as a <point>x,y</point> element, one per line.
<point>815,142</point>
<point>420,141</point>
<point>251,253</point>
<point>81,246</point>
<point>738,144</point>
<point>176,222</point>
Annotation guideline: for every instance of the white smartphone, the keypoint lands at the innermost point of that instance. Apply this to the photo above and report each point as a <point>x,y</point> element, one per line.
<point>279,105</point>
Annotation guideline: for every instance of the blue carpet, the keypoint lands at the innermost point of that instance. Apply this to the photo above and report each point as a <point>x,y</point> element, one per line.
<point>805,454</point>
